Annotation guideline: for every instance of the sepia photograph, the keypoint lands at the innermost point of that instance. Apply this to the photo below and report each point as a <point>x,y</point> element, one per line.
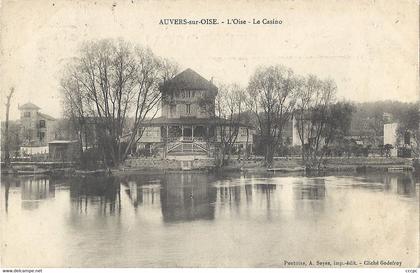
<point>209,134</point>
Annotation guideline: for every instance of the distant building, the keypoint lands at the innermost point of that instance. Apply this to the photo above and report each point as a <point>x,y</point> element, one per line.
<point>37,129</point>
<point>390,136</point>
<point>400,143</point>
<point>188,125</point>
<point>307,131</point>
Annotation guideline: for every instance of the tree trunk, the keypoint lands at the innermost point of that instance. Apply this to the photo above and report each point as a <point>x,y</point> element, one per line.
<point>269,153</point>
<point>246,145</point>
<point>6,143</point>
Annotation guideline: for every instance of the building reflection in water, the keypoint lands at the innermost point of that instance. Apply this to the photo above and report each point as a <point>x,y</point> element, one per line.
<point>143,193</point>
<point>99,191</point>
<point>35,189</point>
<point>187,197</point>
<point>402,184</point>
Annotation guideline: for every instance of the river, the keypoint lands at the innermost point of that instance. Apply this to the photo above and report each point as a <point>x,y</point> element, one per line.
<point>192,219</point>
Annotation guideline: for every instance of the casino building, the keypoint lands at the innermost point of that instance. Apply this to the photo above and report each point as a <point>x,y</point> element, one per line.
<point>187,125</point>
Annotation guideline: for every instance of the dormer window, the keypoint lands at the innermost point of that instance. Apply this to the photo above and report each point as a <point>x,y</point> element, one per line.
<point>27,114</point>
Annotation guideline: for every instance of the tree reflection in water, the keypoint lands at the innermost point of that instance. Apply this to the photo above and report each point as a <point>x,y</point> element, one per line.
<point>309,197</point>
<point>6,196</point>
<point>101,190</point>
<point>312,189</point>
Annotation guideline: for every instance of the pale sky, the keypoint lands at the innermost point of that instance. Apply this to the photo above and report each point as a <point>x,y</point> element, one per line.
<point>370,48</point>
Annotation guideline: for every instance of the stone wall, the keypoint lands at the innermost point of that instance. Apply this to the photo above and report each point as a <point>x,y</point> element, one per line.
<point>166,164</point>
<point>368,161</point>
<point>257,163</point>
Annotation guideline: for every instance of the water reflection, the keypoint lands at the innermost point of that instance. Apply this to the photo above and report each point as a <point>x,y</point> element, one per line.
<point>220,220</point>
<point>401,184</point>
<point>187,197</point>
<point>34,190</point>
<point>101,191</point>
<point>309,195</point>
<point>312,189</point>
<point>143,194</point>
<point>231,193</point>
<point>37,189</point>
<point>9,183</point>
<point>6,195</point>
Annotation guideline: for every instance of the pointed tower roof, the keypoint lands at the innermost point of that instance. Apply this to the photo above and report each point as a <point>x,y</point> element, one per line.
<point>29,106</point>
<point>189,80</point>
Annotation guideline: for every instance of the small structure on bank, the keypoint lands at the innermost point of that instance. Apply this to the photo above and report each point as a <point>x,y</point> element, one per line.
<point>188,127</point>
<point>64,150</point>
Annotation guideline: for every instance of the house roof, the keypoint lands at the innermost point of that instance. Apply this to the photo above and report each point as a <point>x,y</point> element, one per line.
<point>29,105</point>
<point>188,80</point>
<point>45,116</point>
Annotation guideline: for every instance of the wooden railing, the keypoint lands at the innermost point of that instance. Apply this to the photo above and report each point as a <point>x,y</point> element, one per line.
<point>182,147</point>
<point>185,139</point>
<point>173,146</point>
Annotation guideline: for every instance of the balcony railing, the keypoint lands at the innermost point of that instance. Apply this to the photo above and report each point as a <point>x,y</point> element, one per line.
<point>186,139</point>
<point>186,148</point>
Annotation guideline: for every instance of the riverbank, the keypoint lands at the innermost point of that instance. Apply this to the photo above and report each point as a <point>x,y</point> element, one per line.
<point>253,165</point>
<point>295,164</point>
<point>338,164</point>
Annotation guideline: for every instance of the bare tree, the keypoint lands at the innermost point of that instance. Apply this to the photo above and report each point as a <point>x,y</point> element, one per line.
<point>151,72</point>
<point>6,128</point>
<point>110,81</point>
<point>229,106</point>
<point>312,115</point>
<point>271,98</point>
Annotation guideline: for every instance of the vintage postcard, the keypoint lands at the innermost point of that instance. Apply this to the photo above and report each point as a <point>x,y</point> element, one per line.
<point>221,134</point>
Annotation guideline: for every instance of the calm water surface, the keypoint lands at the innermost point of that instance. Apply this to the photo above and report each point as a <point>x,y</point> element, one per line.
<point>208,220</point>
